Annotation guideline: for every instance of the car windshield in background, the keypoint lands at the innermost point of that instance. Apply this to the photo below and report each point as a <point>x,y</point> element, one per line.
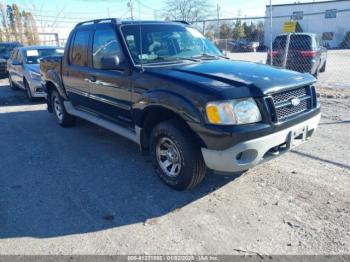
<point>33,56</point>
<point>5,49</point>
<point>167,43</point>
<point>297,42</point>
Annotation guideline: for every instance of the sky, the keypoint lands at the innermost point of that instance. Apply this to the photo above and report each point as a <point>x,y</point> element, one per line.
<point>66,13</point>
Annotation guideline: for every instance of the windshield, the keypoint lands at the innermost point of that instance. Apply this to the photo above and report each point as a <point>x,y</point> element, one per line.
<point>33,56</point>
<point>299,42</point>
<point>5,49</point>
<point>166,43</point>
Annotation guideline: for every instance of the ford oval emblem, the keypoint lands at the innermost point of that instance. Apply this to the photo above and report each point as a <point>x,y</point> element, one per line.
<point>295,101</point>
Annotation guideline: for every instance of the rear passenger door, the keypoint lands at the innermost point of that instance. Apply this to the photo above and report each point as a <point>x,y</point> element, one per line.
<point>10,66</point>
<point>76,68</point>
<point>110,90</point>
<point>17,70</point>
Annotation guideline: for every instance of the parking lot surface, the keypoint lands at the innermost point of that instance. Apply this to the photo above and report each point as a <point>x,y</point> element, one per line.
<point>337,73</point>
<point>84,190</point>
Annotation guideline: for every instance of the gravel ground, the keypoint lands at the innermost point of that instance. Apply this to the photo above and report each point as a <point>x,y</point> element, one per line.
<point>84,190</point>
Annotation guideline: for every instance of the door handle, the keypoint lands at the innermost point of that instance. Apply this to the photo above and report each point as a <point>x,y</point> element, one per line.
<point>91,79</point>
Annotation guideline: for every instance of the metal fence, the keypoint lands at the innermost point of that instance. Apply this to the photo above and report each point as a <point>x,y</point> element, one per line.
<point>326,55</point>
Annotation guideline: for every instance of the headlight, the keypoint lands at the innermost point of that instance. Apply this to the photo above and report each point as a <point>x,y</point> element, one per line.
<point>34,75</point>
<point>233,112</point>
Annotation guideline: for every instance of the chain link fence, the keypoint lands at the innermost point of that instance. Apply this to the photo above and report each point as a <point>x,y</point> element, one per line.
<point>326,55</point>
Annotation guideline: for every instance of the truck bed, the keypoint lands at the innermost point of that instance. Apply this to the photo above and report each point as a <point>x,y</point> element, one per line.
<point>51,64</point>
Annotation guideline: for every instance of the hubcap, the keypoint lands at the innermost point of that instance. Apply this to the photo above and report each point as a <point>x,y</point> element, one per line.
<point>58,108</point>
<point>168,157</point>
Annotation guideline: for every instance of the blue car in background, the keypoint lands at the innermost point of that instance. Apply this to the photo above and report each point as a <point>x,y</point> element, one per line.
<point>24,68</point>
<point>5,52</point>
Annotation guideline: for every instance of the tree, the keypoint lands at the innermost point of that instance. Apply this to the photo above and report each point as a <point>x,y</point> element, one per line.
<point>210,35</point>
<point>4,24</point>
<point>187,10</point>
<point>225,31</point>
<point>30,28</point>
<point>238,30</point>
<point>17,25</point>
<point>18,22</point>
<point>11,22</point>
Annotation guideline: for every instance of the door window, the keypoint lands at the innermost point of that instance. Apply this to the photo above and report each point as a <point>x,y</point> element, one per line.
<point>78,54</point>
<point>19,57</point>
<point>14,54</point>
<point>105,45</point>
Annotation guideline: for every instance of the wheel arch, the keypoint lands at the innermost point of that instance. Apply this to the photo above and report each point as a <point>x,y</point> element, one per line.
<point>155,114</point>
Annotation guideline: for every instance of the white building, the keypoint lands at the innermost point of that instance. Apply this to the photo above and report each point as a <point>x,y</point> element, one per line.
<point>328,19</point>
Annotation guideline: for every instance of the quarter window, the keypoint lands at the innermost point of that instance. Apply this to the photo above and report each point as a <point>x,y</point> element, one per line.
<point>106,45</point>
<point>80,47</point>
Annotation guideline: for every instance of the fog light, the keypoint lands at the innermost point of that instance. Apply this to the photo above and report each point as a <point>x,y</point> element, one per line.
<point>247,156</point>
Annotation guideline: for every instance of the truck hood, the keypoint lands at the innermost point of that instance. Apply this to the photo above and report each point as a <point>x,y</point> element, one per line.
<point>223,74</point>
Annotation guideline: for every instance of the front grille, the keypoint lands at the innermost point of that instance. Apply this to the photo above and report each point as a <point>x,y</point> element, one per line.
<point>281,106</point>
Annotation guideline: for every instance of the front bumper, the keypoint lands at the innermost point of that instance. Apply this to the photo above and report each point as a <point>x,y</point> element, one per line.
<point>248,154</point>
<point>36,88</point>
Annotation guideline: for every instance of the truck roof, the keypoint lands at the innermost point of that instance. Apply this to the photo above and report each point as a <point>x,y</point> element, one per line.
<point>117,21</point>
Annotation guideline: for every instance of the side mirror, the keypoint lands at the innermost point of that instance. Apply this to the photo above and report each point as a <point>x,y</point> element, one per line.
<point>16,63</point>
<point>112,63</point>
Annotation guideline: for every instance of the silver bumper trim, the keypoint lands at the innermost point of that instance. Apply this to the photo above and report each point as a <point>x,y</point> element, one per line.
<point>248,154</point>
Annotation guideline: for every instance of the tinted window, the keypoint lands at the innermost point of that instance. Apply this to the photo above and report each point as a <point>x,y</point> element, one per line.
<point>300,42</point>
<point>105,44</point>
<point>20,56</point>
<point>7,48</point>
<point>79,49</point>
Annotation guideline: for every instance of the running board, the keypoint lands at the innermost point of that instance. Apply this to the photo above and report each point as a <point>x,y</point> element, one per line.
<point>133,136</point>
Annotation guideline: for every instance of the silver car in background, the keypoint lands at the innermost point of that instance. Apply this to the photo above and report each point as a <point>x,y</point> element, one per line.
<point>24,68</point>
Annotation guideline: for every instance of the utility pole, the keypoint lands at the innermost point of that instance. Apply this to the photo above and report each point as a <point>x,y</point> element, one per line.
<point>218,18</point>
<point>271,62</point>
<point>131,6</point>
<point>108,12</point>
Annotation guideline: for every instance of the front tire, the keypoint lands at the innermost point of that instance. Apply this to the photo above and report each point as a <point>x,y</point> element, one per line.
<point>28,91</point>
<point>12,84</point>
<point>323,68</point>
<point>176,157</point>
<point>62,117</point>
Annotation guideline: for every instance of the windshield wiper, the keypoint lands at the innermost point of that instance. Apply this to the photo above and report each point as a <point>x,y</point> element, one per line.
<point>176,58</point>
<point>210,56</point>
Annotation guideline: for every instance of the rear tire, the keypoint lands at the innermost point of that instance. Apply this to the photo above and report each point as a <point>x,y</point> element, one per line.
<point>62,117</point>
<point>28,91</point>
<point>323,68</point>
<point>177,159</point>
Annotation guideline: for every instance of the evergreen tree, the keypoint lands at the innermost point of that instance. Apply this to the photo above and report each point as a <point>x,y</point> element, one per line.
<point>225,31</point>
<point>238,30</point>
<point>12,23</point>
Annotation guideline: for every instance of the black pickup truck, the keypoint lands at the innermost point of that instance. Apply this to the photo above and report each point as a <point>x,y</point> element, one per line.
<point>170,90</point>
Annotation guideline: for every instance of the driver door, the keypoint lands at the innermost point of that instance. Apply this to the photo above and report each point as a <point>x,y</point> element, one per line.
<point>110,90</point>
